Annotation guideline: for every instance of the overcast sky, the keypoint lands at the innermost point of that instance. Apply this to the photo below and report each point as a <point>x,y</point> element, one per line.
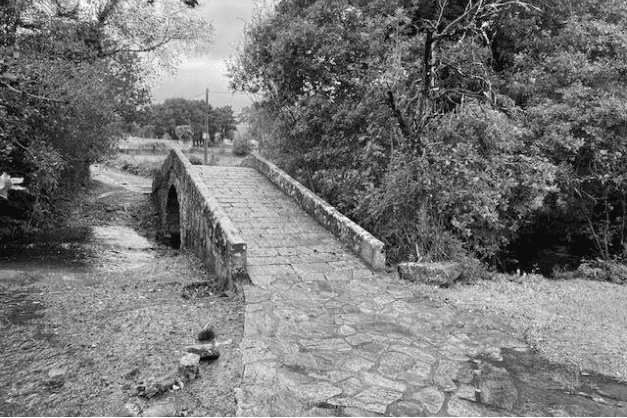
<point>197,74</point>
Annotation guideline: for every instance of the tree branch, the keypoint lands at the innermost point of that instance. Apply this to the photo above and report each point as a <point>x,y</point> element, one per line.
<point>402,123</point>
<point>469,8</point>
<point>34,96</point>
<point>148,48</point>
<point>106,11</point>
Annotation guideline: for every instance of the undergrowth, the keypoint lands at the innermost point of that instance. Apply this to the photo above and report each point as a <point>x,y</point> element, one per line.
<point>140,165</point>
<point>578,322</point>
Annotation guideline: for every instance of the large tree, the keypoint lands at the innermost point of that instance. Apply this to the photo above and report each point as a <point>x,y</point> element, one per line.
<point>178,111</point>
<point>72,73</point>
<point>448,126</point>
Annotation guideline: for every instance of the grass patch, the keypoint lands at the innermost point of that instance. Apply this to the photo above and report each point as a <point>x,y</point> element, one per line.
<point>578,322</point>
<point>150,144</point>
<point>220,155</point>
<point>148,165</point>
<point>140,165</point>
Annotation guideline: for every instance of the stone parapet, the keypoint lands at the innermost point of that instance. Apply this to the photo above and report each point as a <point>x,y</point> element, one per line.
<point>370,249</point>
<point>204,227</point>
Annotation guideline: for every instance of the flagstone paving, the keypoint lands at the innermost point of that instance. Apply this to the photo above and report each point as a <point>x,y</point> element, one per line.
<point>325,336</point>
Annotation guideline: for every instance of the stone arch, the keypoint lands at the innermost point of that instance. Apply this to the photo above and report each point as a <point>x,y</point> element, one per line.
<point>173,218</point>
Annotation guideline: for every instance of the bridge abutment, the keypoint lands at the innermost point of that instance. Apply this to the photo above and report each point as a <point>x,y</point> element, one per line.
<point>182,193</point>
<point>190,215</point>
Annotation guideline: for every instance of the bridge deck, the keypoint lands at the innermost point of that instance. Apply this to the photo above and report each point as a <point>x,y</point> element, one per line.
<point>323,335</point>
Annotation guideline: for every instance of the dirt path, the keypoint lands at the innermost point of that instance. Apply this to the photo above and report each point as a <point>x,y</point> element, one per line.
<point>94,311</point>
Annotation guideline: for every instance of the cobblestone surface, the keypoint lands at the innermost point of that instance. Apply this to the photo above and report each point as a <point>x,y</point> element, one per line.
<point>324,336</point>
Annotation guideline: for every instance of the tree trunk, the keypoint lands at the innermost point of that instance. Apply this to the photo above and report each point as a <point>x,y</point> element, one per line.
<point>429,65</point>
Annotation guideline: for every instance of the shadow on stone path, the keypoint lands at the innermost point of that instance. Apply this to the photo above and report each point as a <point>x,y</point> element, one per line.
<point>325,336</point>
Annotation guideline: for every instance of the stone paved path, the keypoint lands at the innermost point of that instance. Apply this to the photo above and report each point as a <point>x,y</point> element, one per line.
<point>325,337</point>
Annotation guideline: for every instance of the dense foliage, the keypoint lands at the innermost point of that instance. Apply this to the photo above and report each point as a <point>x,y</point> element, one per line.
<point>450,127</point>
<point>163,118</point>
<point>72,75</point>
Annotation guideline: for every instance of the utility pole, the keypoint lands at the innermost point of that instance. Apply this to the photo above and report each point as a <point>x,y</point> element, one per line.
<point>206,123</point>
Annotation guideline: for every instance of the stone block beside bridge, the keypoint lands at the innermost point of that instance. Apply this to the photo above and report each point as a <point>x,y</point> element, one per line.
<point>364,244</point>
<point>192,219</point>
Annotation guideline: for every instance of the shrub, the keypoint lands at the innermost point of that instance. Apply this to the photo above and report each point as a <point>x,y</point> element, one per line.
<point>474,270</point>
<point>469,192</point>
<point>601,270</point>
<point>195,160</point>
<point>140,165</point>
<point>241,145</point>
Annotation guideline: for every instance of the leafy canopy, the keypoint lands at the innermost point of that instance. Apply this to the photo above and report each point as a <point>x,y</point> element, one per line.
<point>72,75</point>
<point>449,127</point>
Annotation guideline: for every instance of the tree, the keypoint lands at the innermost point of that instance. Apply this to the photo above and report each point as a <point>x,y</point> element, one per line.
<point>178,111</point>
<point>364,92</point>
<point>72,74</point>
<point>225,121</point>
<point>450,126</point>
<point>572,86</point>
<point>184,132</point>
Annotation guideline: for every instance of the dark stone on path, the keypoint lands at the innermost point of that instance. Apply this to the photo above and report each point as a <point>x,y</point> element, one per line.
<point>130,374</point>
<point>165,382</point>
<point>205,351</point>
<point>149,391</point>
<point>56,379</point>
<point>156,385</point>
<point>207,333</point>
<point>441,274</point>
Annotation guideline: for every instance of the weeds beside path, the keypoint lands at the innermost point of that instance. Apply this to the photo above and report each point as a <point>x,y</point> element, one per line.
<point>579,323</point>
<point>89,312</point>
<point>149,164</point>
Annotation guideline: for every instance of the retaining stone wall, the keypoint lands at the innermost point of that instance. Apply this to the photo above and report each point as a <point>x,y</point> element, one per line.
<point>205,228</point>
<point>364,244</point>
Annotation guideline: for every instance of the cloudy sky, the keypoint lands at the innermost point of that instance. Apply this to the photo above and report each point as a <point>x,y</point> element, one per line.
<point>209,71</point>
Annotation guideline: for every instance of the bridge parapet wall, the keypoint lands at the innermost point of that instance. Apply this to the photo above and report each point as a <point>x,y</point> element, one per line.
<point>370,249</point>
<point>204,227</point>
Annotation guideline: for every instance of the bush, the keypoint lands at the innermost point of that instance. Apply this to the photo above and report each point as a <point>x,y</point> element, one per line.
<point>461,150</point>
<point>601,270</point>
<point>469,192</point>
<point>474,270</point>
<point>147,166</point>
<point>195,160</point>
<point>242,145</point>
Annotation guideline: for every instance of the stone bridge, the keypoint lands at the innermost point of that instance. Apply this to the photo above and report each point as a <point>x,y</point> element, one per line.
<point>326,331</point>
<point>197,204</point>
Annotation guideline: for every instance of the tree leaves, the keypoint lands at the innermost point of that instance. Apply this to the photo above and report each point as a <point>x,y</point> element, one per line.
<point>477,116</point>
<point>72,75</point>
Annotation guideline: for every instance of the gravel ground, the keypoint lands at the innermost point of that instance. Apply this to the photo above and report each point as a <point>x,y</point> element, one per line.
<point>94,310</point>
